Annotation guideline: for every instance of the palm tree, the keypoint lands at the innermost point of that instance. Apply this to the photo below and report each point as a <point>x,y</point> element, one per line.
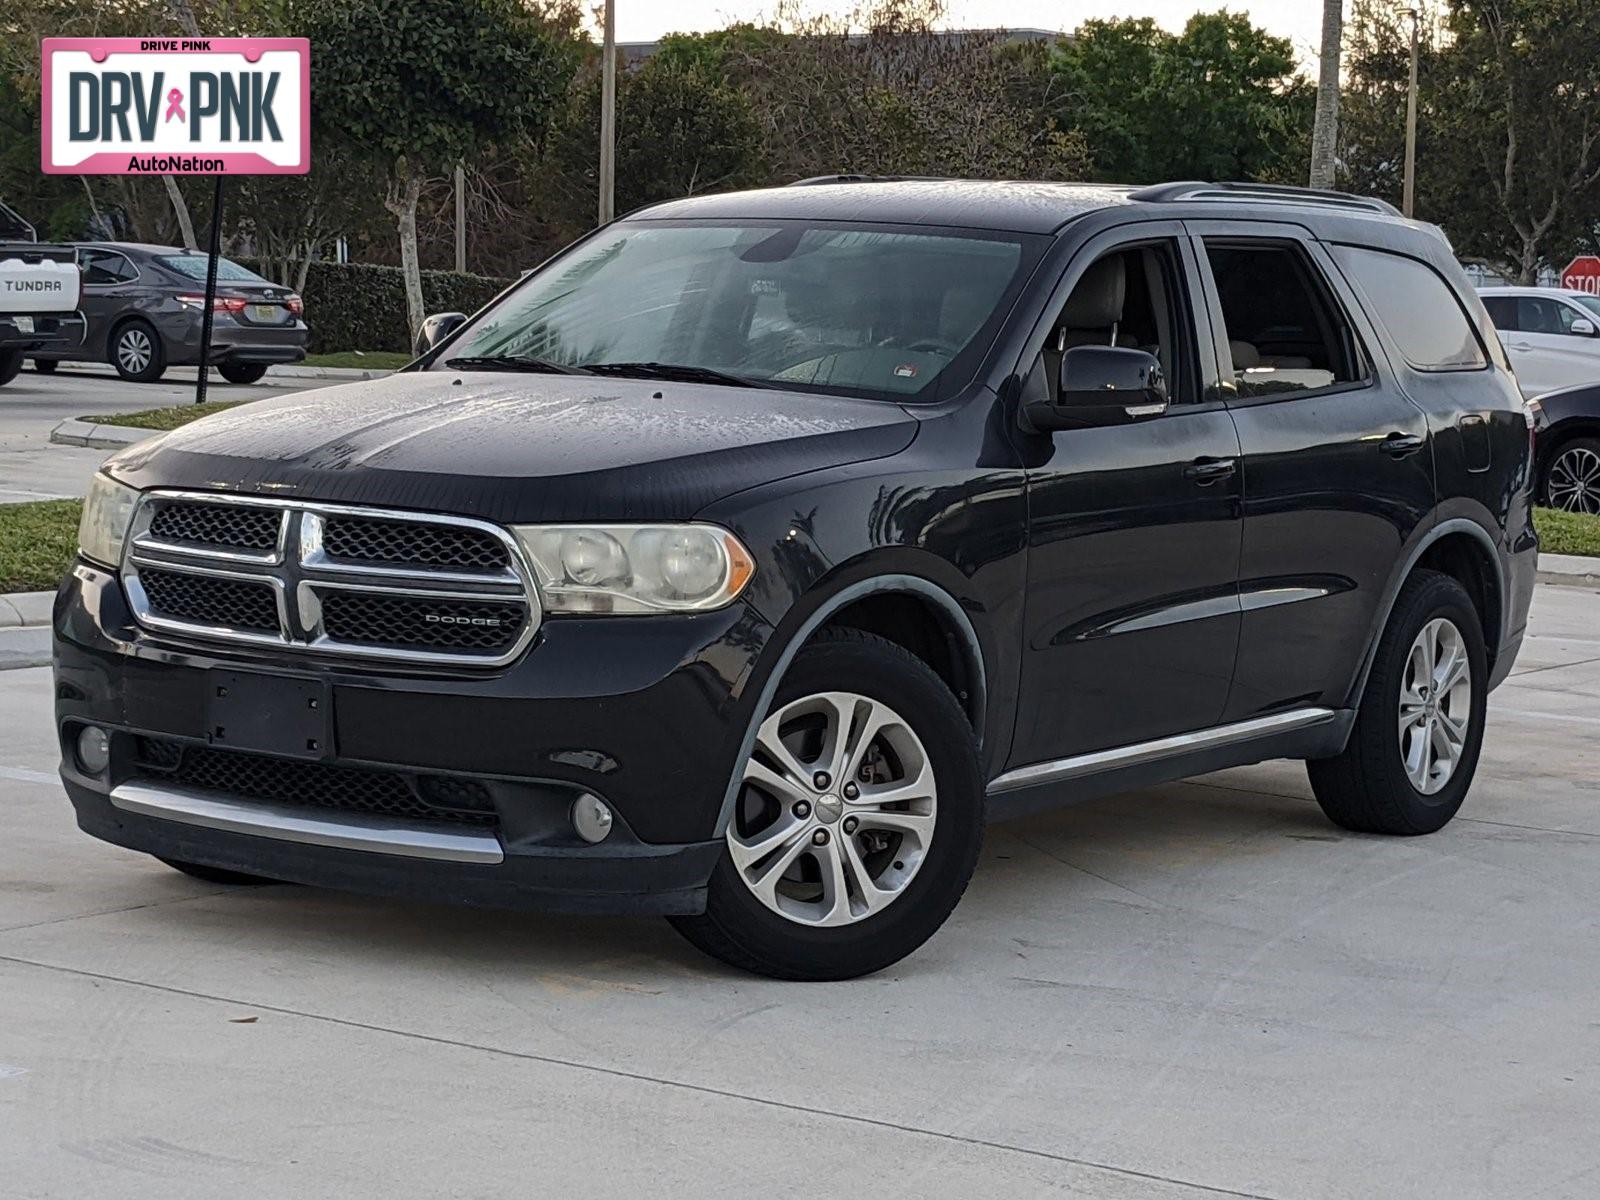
<point>1325,133</point>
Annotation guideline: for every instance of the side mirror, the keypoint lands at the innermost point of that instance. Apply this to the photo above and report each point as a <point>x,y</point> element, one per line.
<point>1583,327</point>
<point>1102,385</point>
<point>436,328</point>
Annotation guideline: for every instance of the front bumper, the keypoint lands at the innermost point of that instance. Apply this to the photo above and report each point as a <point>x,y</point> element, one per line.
<point>646,713</point>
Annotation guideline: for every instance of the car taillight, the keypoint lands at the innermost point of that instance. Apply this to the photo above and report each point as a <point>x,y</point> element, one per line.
<point>232,304</point>
<point>296,305</point>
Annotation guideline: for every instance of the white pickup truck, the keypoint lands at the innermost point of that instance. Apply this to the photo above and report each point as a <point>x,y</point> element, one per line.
<point>39,293</point>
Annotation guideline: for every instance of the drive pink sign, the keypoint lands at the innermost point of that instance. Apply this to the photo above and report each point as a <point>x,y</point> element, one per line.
<point>177,106</point>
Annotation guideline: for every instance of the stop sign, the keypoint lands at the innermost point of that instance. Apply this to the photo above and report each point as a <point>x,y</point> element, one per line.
<point>1583,274</point>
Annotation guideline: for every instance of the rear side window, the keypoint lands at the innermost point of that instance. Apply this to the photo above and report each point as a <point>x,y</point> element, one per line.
<point>1285,333</point>
<point>106,266</point>
<point>1420,310</point>
<point>1502,311</point>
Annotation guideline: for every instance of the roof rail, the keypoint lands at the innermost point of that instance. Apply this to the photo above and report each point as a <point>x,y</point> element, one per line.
<point>857,177</point>
<point>1277,192</point>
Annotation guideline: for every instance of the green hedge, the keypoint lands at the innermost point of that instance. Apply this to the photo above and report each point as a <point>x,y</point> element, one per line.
<point>359,306</point>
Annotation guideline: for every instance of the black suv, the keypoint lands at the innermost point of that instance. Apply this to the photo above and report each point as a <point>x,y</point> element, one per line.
<point>740,563</point>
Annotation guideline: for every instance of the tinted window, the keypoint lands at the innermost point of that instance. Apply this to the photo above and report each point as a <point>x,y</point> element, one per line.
<point>1592,303</point>
<point>107,266</point>
<point>832,307</point>
<point>194,266</point>
<point>1502,311</point>
<point>1284,331</point>
<point>1420,310</point>
<point>1539,314</point>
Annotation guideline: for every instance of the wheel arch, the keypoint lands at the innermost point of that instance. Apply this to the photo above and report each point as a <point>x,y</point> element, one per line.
<point>868,604</point>
<point>1463,549</point>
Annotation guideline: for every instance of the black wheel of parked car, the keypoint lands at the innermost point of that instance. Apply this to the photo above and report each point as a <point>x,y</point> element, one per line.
<point>216,874</point>
<point>1415,745</point>
<point>10,365</point>
<point>45,366</point>
<point>137,353</point>
<point>1572,477</point>
<point>859,822</point>
<point>242,372</point>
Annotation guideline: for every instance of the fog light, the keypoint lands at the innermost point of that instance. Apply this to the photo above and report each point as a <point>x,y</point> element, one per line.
<point>591,817</point>
<point>94,749</point>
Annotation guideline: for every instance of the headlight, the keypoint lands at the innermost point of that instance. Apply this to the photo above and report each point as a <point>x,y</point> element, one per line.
<point>107,512</point>
<point>635,568</point>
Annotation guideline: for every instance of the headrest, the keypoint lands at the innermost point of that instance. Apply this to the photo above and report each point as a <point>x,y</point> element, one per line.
<point>1245,356</point>
<point>1096,303</point>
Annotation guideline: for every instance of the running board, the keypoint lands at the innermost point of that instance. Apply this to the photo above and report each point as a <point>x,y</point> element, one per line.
<point>354,831</point>
<point>1180,745</point>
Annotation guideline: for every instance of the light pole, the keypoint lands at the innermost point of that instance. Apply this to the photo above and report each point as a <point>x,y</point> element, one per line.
<point>608,117</point>
<point>1409,203</point>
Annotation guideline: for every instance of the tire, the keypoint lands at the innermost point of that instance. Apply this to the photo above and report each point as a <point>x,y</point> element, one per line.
<point>242,372</point>
<point>1571,477</point>
<point>136,352</point>
<point>216,874</point>
<point>921,877</point>
<point>10,365</point>
<point>1369,788</point>
<point>44,366</point>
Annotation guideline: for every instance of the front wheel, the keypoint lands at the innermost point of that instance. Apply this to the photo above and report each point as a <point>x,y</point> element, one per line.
<point>1572,477</point>
<point>1419,730</point>
<point>44,366</point>
<point>242,372</point>
<point>137,354</point>
<point>858,823</point>
<point>10,365</point>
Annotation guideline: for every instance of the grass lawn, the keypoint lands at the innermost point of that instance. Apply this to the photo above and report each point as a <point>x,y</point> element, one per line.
<point>165,418</point>
<point>37,542</point>
<point>1567,533</point>
<point>376,360</point>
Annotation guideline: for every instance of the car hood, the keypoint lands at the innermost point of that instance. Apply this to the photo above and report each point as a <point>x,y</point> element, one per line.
<point>519,447</point>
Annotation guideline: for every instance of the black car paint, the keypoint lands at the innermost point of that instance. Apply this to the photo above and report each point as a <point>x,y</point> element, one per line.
<point>1083,582</point>
<point>1562,416</point>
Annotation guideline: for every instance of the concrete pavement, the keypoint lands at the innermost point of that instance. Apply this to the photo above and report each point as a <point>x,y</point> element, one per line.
<point>1198,990</point>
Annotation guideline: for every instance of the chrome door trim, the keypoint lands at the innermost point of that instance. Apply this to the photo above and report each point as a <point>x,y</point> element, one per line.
<point>1154,751</point>
<point>378,835</point>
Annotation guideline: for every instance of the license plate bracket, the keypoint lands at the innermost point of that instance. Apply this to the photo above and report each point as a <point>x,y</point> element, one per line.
<point>269,714</point>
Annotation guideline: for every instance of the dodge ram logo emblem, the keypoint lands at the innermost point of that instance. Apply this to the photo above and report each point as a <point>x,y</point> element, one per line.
<point>446,619</point>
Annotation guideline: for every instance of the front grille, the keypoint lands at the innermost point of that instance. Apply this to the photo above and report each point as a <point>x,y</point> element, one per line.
<point>220,526</point>
<point>330,579</point>
<point>383,619</point>
<point>438,798</point>
<point>456,547</point>
<point>211,600</point>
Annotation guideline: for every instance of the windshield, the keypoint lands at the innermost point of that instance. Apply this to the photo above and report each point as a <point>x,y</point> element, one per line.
<point>837,308</point>
<point>194,266</point>
<point>1592,303</point>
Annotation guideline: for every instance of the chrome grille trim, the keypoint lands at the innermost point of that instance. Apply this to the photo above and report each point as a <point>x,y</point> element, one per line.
<point>298,569</point>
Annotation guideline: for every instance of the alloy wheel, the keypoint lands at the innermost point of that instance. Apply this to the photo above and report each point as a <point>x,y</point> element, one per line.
<point>134,350</point>
<point>837,811</point>
<point>1574,483</point>
<point>1435,705</point>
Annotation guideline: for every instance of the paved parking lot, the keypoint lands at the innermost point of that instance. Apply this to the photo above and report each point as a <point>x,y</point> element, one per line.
<point>31,405</point>
<point>1199,990</point>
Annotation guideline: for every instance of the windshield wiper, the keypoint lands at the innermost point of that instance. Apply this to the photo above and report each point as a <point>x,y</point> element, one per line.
<point>677,371</point>
<point>512,362</point>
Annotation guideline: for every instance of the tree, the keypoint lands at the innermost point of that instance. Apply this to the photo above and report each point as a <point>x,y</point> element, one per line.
<point>423,84</point>
<point>1222,100</point>
<point>1325,132</point>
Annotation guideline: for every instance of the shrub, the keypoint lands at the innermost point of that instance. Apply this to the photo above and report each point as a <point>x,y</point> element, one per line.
<point>360,306</point>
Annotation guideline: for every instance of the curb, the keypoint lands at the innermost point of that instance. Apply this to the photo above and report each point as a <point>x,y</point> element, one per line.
<point>287,371</point>
<point>1569,570</point>
<point>73,432</point>
<point>20,610</point>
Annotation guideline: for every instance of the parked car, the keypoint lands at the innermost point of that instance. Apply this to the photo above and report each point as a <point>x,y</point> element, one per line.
<point>144,307</point>
<point>1567,448</point>
<point>39,286</point>
<point>1552,335</point>
<point>739,564</point>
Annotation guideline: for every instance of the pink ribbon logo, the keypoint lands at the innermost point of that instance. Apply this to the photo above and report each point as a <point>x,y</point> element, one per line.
<point>175,105</point>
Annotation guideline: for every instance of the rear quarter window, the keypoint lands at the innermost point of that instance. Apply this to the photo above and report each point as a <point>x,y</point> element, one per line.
<point>1417,307</point>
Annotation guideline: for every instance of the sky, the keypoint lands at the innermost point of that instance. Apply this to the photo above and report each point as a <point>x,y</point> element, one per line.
<point>1298,20</point>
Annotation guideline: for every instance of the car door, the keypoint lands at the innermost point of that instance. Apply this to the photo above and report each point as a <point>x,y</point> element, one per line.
<point>109,282</point>
<point>1131,619</point>
<point>1546,351</point>
<point>1337,466</point>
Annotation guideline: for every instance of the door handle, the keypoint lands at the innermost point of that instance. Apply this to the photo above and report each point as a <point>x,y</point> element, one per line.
<point>1206,471</point>
<point>1402,445</point>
